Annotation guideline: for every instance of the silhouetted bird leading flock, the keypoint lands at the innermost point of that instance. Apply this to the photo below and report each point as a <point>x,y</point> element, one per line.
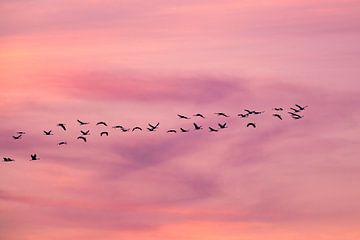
<point>294,112</point>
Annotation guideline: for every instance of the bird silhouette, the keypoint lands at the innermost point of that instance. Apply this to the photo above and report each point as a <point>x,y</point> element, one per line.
<point>295,110</point>
<point>197,127</point>
<point>199,115</point>
<point>21,132</point>
<point>101,123</point>
<point>253,111</point>
<point>34,157</point>
<point>17,137</point>
<point>184,130</point>
<point>85,133</point>
<point>6,159</point>
<point>212,129</point>
<point>243,115</point>
<point>221,114</point>
<point>300,107</point>
<point>278,116</point>
<point>248,111</point>
<point>62,125</point>
<point>222,126</point>
<point>153,127</point>
<point>82,138</point>
<point>82,123</point>
<point>295,116</point>
<point>125,129</point>
<point>136,128</point>
<point>118,126</point>
<point>182,116</point>
<point>251,125</point>
<point>62,143</point>
<point>278,109</point>
<point>104,133</point>
<point>171,131</point>
<point>48,133</point>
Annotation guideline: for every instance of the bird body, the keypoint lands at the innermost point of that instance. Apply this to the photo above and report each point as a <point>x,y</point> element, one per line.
<point>295,116</point>
<point>222,126</point>
<point>295,110</point>
<point>171,131</point>
<point>62,143</point>
<point>278,116</point>
<point>85,133</point>
<point>136,128</point>
<point>104,133</point>
<point>8,159</point>
<point>300,107</point>
<point>182,116</point>
<point>101,123</point>
<point>222,114</point>
<point>184,130</point>
<point>243,115</point>
<point>82,138</point>
<point>48,132</point>
<point>17,137</point>
<point>82,123</point>
<point>251,125</point>
<point>152,128</point>
<point>34,157</point>
<point>212,129</point>
<point>62,125</point>
<point>199,115</point>
<point>197,127</point>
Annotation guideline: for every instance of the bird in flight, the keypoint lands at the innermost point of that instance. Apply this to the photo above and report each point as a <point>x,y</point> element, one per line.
<point>300,107</point>
<point>221,114</point>
<point>8,159</point>
<point>34,157</point>
<point>295,116</point>
<point>171,131</point>
<point>197,127</point>
<point>48,133</point>
<point>152,127</point>
<point>85,133</point>
<point>101,123</point>
<point>82,123</point>
<point>21,132</point>
<point>62,143</point>
<point>17,137</point>
<point>104,133</point>
<point>251,125</point>
<point>62,125</point>
<point>222,126</point>
<point>212,129</point>
<point>243,115</point>
<point>82,138</point>
<point>253,111</point>
<point>184,130</point>
<point>278,109</point>
<point>183,117</point>
<point>295,110</point>
<point>199,115</point>
<point>118,126</point>
<point>278,116</point>
<point>136,128</point>
<point>125,129</point>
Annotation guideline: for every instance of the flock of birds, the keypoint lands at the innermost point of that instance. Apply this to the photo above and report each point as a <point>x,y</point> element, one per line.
<point>295,113</point>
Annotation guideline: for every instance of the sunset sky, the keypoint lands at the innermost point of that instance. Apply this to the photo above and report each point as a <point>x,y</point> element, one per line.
<point>131,62</point>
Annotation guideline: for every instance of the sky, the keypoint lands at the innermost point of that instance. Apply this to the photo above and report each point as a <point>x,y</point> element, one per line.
<point>139,62</point>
